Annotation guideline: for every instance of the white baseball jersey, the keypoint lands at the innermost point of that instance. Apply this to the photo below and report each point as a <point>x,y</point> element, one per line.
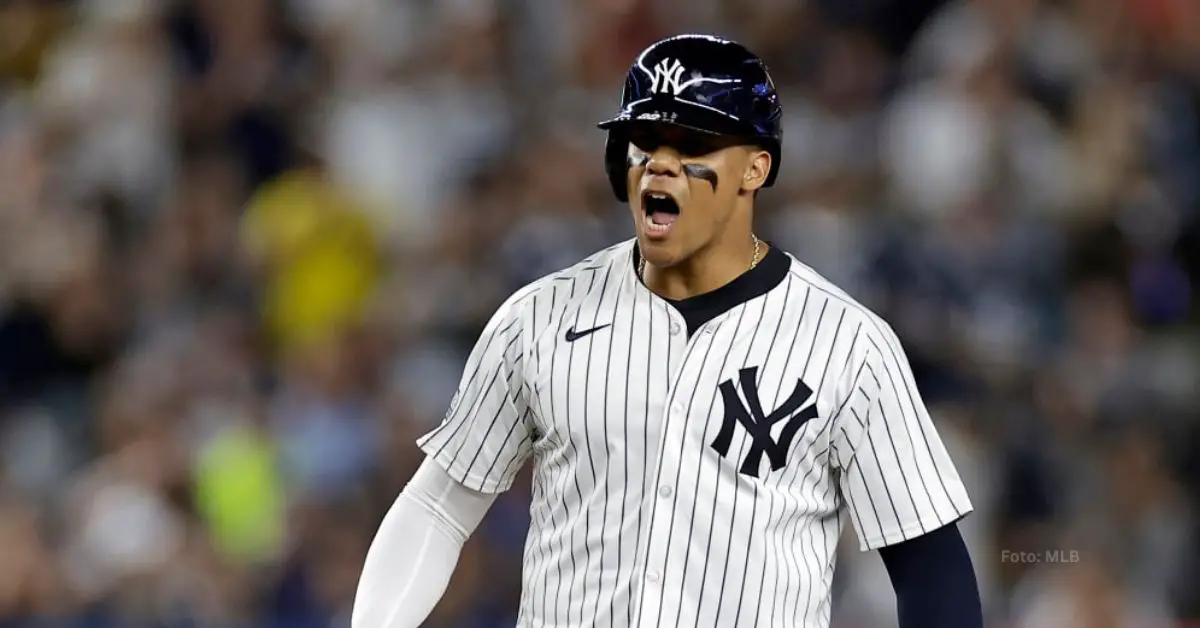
<point>695,479</point>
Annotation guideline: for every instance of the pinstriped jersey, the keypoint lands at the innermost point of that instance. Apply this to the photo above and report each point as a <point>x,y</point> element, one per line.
<point>694,479</point>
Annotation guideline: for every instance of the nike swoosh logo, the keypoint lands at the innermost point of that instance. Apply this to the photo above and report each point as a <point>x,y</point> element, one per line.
<point>573,335</point>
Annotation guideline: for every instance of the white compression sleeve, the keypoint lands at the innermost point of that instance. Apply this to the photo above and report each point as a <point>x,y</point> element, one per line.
<point>416,549</point>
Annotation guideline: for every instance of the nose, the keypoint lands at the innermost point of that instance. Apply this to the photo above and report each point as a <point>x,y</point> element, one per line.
<point>663,161</point>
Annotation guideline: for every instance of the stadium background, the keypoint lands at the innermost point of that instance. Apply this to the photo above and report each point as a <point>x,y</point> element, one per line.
<point>245,245</point>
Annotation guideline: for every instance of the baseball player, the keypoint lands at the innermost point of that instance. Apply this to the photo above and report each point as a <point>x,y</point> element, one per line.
<point>704,413</point>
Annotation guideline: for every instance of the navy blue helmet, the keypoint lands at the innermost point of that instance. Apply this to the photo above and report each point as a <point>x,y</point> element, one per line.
<point>702,83</point>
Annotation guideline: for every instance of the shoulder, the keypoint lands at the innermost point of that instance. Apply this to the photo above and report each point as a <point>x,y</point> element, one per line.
<point>606,260</point>
<point>823,298</point>
<point>558,289</point>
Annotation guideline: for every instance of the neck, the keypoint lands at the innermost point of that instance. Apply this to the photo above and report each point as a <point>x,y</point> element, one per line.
<point>705,270</point>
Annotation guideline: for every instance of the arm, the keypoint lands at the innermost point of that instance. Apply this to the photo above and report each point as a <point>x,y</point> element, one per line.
<point>487,434</point>
<point>473,455</point>
<point>934,581</point>
<point>902,489</point>
<point>416,549</point>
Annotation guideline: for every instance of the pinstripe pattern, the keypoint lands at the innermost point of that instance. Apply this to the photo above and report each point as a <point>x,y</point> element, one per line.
<point>637,520</point>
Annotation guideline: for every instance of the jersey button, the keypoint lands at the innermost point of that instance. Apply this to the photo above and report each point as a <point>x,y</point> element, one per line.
<point>652,576</point>
<point>664,492</point>
<point>675,329</point>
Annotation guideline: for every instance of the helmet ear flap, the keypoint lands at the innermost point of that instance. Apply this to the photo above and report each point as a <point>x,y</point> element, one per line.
<point>616,164</point>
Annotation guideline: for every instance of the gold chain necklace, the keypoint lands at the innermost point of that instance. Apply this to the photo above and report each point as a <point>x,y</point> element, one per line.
<point>641,270</point>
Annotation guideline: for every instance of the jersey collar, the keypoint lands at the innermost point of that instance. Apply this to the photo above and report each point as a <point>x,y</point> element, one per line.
<point>761,279</point>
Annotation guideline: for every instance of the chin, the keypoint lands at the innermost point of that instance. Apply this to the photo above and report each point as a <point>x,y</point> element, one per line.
<point>661,252</point>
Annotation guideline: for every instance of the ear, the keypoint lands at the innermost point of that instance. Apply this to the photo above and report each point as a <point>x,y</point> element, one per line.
<point>758,166</point>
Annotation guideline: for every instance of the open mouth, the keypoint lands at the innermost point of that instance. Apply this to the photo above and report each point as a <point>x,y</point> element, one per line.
<point>661,212</point>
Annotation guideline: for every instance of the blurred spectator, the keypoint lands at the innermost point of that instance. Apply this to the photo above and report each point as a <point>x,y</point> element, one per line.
<point>318,255</point>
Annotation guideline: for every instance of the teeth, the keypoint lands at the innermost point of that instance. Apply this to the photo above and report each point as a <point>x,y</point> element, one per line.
<point>654,228</point>
<point>658,195</point>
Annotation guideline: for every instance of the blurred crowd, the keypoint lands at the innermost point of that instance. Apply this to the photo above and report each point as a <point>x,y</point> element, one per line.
<point>246,244</point>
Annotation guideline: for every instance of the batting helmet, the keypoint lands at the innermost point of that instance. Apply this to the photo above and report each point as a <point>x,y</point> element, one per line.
<point>702,83</point>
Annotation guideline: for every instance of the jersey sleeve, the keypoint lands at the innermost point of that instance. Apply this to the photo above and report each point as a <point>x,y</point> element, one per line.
<point>486,435</point>
<point>895,476</point>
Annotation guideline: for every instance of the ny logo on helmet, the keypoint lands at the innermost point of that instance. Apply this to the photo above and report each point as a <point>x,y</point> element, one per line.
<point>668,77</point>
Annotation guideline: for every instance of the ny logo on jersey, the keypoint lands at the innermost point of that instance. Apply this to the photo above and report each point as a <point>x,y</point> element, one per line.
<point>668,75</point>
<point>758,425</point>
